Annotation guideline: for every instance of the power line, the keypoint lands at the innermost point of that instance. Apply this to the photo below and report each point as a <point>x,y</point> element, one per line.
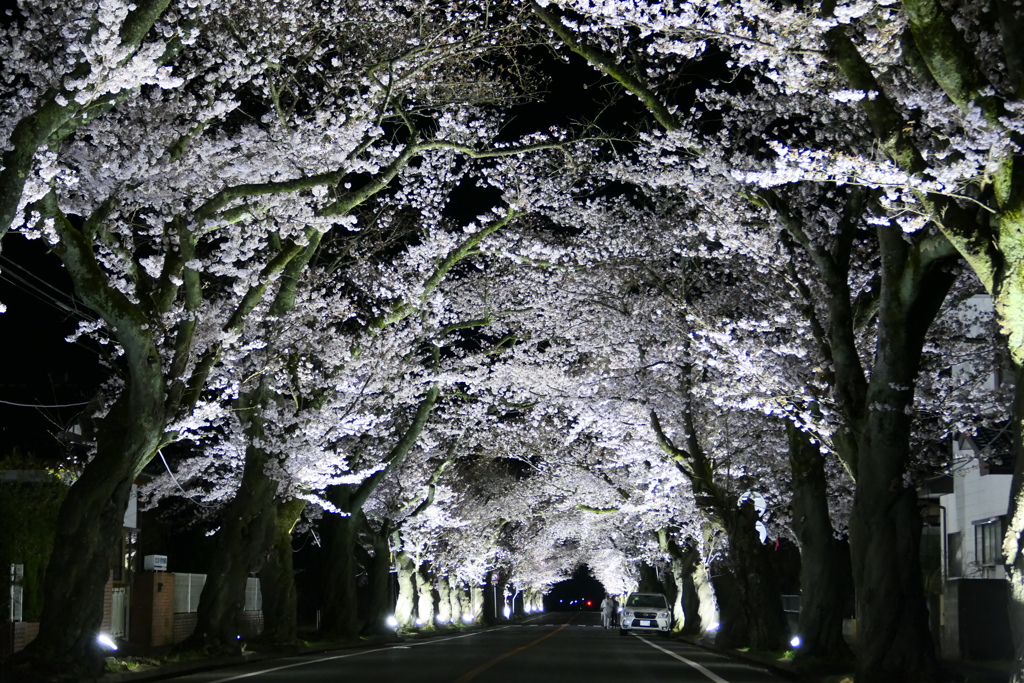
<point>37,405</point>
<point>10,274</point>
<point>9,264</point>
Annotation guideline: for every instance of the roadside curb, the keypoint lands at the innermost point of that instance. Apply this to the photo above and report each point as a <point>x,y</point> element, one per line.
<point>763,662</point>
<point>198,665</point>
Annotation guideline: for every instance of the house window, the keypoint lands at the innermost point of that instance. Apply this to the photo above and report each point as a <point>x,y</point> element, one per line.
<point>988,541</point>
<point>954,555</point>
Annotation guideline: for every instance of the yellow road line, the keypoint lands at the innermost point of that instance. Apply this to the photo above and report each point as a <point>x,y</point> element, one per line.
<point>484,667</point>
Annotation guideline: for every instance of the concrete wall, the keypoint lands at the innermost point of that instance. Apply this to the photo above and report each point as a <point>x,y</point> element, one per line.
<point>975,497</point>
<point>976,623</point>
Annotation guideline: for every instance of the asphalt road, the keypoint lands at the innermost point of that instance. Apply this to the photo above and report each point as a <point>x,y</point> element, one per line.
<point>551,648</point>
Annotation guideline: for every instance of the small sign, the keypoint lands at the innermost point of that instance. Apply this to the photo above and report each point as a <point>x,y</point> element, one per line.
<point>154,563</point>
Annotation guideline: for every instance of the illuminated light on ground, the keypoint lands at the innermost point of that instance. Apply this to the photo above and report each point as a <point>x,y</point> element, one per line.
<point>713,627</point>
<point>507,611</point>
<point>392,622</point>
<point>467,618</point>
<point>795,642</point>
<point>106,641</point>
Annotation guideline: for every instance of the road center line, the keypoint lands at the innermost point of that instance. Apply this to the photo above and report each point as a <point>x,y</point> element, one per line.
<point>432,641</point>
<point>699,667</point>
<point>484,667</point>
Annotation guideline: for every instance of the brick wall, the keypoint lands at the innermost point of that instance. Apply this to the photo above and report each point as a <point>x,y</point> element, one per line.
<point>185,624</point>
<point>15,636</point>
<point>152,608</point>
<point>108,598</point>
<point>252,624</point>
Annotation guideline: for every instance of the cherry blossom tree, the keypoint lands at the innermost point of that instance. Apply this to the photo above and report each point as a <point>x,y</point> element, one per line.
<point>913,273</point>
<point>272,129</point>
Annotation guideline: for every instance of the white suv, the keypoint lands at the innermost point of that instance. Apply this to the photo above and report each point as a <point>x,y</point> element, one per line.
<point>646,612</point>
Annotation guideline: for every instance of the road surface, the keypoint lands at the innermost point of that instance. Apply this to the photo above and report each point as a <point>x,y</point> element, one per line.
<point>549,648</point>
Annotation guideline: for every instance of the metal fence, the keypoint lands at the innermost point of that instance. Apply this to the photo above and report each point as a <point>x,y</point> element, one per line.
<point>188,588</point>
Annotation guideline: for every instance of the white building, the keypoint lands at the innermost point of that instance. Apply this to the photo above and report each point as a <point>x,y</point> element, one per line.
<point>973,617</point>
<point>975,512</point>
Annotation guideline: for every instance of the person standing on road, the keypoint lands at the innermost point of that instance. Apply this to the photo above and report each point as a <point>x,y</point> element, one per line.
<point>608,611</point>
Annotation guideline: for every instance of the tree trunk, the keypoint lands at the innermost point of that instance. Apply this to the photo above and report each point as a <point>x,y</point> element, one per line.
<point>277,579</point>
<point>821,603</point>
<point>649,581</point>
<point>705,590</point>
<point>538,605</point>
<point>1013,543</point>
<point>248,529</point>
<point>405,610</point>
<point>341,619</point>
<point>89,526</point>
<point>756,584</point>
<point>340,596</point>
<point>476,602</point>
<point>686,611</point>
<point>379,591</point>
<point>425,597</point>
<point>733,631</point>
<point>457,599</point>
<point>894,643</point>
<point>444,604</point>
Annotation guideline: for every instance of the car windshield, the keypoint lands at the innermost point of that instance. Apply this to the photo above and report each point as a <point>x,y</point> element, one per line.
<point>641,600</point>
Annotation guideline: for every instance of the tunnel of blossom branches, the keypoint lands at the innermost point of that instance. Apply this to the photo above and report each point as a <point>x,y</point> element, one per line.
<point>414,310</point>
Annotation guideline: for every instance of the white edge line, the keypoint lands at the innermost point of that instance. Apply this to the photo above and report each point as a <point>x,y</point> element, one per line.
<point>703,669</point>
<point>344,656</point>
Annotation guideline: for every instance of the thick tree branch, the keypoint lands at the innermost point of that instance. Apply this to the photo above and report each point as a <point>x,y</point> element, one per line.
<point>607,64</point>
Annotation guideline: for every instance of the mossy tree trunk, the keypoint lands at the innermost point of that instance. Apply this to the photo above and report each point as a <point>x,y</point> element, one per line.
<point>251,523</point>
<point>705,590</point>
<point>754,616</point>
<point>277,579</point>
<point>993,247</point>
<point>405,609</point>
<point>821,604</point>
<point>444,601</point>
<point>340,600</point>
<point>424,597</point>
<point>247,531</point>
<point>457,597</point>
<point>686,610</point>
<point>378,569</point>
<point>1013,543</point>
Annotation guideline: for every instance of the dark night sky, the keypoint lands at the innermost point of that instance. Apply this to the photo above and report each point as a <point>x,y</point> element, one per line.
<point>39,366</point>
